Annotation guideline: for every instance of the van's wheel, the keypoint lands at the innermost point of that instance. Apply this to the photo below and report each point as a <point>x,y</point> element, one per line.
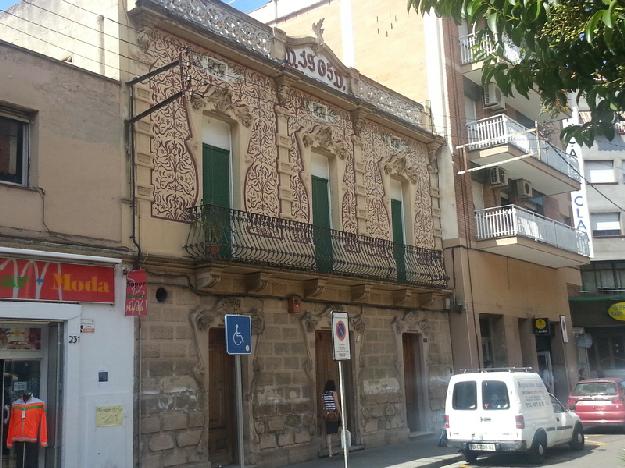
<point>539,447</point>
<point>469,456</point>
<point>577,441</point>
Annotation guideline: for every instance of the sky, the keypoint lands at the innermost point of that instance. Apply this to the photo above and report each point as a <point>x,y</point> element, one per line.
<point>243,5</point>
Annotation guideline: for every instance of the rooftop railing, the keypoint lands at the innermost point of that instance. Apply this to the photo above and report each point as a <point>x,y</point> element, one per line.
<point>221,234</point>
<point>502,130</point>
<point>512,220</point>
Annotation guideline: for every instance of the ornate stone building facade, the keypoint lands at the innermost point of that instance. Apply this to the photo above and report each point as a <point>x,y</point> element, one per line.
<point>259,238</point>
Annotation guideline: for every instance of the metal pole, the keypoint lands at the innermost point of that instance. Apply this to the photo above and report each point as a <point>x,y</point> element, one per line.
<point>237,370</point>
<point>343,421</point>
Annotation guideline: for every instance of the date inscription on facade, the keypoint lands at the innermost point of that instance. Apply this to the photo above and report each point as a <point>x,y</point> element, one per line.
<point>317,67</point>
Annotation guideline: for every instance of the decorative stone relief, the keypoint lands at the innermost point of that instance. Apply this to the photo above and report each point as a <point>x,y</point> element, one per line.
<point>244,94</point>
<point>334,135</point>
<point>223,21</point>
<point>388,154</point>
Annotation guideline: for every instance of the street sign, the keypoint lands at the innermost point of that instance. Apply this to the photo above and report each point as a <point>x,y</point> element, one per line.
<point>238,334</point>
<point>340,336</point>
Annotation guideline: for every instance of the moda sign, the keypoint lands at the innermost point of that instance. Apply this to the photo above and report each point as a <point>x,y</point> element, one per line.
<point>40,280</point>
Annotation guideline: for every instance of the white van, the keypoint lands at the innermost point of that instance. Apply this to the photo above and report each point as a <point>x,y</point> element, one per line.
<point>507,410</point>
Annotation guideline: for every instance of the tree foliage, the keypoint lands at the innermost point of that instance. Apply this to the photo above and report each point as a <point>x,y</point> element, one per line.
<point>566,46</point>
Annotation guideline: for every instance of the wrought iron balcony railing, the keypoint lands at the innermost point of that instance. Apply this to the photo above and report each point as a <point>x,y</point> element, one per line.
<point>502,130</point>
<point>221,234</point>
<point>512,220</point>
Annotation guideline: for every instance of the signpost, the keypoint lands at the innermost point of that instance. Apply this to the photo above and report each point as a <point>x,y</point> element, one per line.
<point>341,352</point>
<point>238,342</point>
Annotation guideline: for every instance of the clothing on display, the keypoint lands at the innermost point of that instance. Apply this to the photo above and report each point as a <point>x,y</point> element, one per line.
<point>27,421</point>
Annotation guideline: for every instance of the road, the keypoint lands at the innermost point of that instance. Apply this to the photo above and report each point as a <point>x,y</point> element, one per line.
<point>605,449</point>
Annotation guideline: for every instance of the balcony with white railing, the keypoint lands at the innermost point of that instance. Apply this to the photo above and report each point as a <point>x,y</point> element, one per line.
<point>523,154</point>
<point>474,49</point>
<point>516,232</point>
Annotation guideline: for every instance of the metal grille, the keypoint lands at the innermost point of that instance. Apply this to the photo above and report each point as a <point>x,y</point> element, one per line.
<point>221,234</point>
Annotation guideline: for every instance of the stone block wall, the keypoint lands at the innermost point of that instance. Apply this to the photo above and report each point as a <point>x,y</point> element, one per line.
<point>279,378</point>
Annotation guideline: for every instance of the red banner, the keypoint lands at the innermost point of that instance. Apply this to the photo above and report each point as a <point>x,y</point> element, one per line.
<point>42,280</point>
<point>137,293</point>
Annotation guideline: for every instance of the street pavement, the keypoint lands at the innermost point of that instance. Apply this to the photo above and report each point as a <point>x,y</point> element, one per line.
<point>604,449</point>
<point>421,452</point>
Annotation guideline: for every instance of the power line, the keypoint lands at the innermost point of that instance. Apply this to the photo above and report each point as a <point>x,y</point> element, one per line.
<point>65,49</point>
<point>587,181</point>
<point>74,39</point>
<point>77,22</point>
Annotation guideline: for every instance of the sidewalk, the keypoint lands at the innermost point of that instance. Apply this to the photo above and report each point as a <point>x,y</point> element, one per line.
<point>421,452</point>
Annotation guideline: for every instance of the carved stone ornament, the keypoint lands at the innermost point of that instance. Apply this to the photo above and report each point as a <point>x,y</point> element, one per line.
<point>398,164</point>
<point>433,149</point>
<point>321,137</point>
<point>220,99</point>
<point>318,30</point>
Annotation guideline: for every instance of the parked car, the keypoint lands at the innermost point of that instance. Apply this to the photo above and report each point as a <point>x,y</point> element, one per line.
<point>599,402</point>
<point>507,410</point>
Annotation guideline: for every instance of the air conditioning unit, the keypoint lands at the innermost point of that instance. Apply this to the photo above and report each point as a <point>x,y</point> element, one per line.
<point>523,188</point>
<point>493,99</point>
<point>498,177</point>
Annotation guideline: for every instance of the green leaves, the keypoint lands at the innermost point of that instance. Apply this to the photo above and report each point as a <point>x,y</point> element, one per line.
<point>566,46</point>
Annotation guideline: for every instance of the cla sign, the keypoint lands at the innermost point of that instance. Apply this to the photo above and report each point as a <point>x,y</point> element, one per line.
<point>340,336</point>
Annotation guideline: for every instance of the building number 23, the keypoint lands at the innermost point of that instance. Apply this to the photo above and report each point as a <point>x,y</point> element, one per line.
<point>73,339</point>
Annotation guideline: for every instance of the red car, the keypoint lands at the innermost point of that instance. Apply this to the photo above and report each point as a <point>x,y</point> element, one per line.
<point>599,402</point>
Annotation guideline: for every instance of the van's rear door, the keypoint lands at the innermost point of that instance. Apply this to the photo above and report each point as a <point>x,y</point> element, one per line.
<point>497,416</point>
<point>462,410</point>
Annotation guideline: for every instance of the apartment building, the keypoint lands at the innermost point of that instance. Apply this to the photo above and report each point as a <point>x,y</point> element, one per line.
<point>272,180</point>
<point>64,337</point>
<point>597,309</point>
<point>510,248</point>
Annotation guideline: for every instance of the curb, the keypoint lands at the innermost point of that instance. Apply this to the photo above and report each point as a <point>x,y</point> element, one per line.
<point>440,463</point>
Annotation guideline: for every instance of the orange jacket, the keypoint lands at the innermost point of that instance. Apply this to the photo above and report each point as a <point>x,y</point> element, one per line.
<point>28,419</point>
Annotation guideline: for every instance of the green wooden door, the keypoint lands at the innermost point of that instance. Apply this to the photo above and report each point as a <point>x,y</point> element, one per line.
<point>321,222</point>
<point>216,200</point>
<point>398,238</point>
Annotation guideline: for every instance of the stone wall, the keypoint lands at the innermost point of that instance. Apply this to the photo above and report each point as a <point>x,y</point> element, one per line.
<point>279,378</point>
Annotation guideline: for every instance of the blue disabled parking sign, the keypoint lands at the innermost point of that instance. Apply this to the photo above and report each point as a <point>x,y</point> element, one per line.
<point>238,334</point>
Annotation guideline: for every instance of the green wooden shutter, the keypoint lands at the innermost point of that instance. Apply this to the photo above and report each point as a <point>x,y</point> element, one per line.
<point>216,187</point>
<point>398,238</point>
<point>216,176</point>
<point>321,222</point>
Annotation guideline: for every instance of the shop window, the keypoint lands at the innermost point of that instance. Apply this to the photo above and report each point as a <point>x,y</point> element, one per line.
<point>13,149</point>
<point>605,224</point>
<point>603,276</point>
<point>610,351</point>
<point>599,172</point>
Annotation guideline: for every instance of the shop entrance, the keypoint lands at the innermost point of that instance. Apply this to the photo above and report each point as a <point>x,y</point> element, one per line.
<point>328,369</point>
<point>413,385</point>
<point>30,370</point>
<point>221,415</point>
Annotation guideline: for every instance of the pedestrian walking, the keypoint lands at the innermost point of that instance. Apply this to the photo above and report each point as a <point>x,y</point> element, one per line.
<point>331,411</point>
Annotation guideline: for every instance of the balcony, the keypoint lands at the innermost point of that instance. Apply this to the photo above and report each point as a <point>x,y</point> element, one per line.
<point>522,154</point>
<point>474,50</point>
<point>220,235</point>
<point>519,233</point>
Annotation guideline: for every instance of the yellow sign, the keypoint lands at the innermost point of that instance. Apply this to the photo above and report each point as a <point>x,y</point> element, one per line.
<point>617,311</point>
<point>109,416</point>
